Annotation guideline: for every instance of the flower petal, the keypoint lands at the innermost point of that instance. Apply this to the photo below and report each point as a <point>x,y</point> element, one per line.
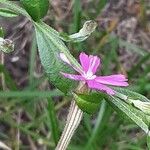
<point>116,77</point>
<point>89,63</point>
<point>116,80</point>
<point>84,60</point>
<point>93,64</point>
<point>95,85</point>
<point>72,76</point>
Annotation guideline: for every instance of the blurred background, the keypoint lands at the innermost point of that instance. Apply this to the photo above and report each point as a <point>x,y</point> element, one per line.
<point>28,118</point>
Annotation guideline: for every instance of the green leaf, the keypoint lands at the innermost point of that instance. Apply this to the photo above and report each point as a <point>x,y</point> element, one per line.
<point>137,116</point>
<point>15,8</point>
<point>52,120</point>
<point>131,94</point>
<point>5,12</point>
<point>83,34</point>
<point>97,125</point>
<point>50,46</point>
<point>8,80</point>
<point>30,94</point>
<point>148,141</point>
<point>100,6</point>
<point>36,8</point>
<point>3,1</point>
<point>55,38</point>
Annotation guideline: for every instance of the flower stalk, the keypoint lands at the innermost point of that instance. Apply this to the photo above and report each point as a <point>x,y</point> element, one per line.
<point>73,120</point>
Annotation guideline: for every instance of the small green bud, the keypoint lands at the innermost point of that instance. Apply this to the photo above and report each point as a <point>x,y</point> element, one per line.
<point>87,29</point>
<point>89,103</point>
<point>37,9</point>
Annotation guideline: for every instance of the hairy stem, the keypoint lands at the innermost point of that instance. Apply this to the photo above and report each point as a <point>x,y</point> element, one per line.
<point>73,120</point>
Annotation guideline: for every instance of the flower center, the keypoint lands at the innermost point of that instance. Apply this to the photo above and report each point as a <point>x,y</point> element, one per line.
<point>89,76</point>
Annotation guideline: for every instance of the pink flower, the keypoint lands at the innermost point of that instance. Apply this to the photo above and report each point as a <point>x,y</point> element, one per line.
<point>87,74</point>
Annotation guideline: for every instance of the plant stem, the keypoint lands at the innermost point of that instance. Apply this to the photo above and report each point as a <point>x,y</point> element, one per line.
<point>2,74</point>
<point>73,120</point>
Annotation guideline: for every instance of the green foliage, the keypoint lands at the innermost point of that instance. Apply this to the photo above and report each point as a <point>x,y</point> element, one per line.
<point>15,8</point>
<point>148,141</point>
<point>89,103</point>
<point>37,9</point>
<point>101,5</point>
<point>97,125</point>
<point>122,107</point>
<point>50,47</point>
<point>9,81</point>
<point>52,120</point>
<point>77,14</point>
<point>4,12</point>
